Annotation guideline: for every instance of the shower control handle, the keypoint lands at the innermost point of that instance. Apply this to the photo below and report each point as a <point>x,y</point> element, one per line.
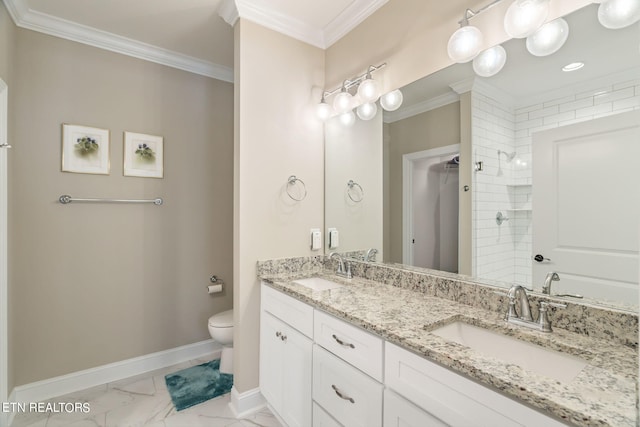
<point>540,258</point>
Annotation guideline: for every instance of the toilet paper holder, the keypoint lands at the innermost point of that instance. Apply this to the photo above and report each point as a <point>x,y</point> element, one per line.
<point>216,285</point>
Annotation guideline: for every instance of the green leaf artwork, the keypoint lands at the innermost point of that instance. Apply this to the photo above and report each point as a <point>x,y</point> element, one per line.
<point>145,152</point>
<point>86,145</point>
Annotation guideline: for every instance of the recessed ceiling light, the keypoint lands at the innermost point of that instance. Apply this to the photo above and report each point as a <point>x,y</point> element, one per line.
<point>573,66</point>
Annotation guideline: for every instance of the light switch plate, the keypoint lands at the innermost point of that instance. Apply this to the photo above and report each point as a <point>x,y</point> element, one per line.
<point>316,239</point>
<point>334,238</point>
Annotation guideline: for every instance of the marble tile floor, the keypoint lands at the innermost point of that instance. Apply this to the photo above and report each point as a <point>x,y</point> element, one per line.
<point>143,400</point>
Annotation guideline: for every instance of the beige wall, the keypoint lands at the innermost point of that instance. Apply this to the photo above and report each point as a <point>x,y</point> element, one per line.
<point>97,283</point>
<point>412,35</point>
<point>435,128</point>
<point>276,135</point>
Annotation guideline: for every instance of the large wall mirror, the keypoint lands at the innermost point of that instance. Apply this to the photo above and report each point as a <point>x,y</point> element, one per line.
<point>553,172</point>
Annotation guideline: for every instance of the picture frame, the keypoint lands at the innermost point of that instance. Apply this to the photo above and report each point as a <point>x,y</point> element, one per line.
<point>85,149</point>
<point>143,155</point>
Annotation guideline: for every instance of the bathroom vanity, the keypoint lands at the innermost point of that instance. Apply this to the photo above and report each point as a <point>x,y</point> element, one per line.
<point>369,353</point>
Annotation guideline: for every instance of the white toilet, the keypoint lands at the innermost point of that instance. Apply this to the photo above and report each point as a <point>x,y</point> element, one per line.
<point>221,330</point>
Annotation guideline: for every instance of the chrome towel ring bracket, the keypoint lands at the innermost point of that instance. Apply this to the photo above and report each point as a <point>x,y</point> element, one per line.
<point>292,184</point>
<point>355,191</point>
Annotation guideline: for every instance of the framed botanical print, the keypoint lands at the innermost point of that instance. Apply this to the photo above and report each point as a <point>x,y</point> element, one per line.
<point>143,155</point>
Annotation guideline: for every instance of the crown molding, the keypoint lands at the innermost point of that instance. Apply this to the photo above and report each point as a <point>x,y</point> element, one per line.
<point>58,27</point>
<point>280,23</point>
<point>421,107</point>
<point>348,19</point>
<point>228,11</point>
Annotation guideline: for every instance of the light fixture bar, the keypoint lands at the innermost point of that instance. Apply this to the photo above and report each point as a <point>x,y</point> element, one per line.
<point>349,83</point>
<point>470,14</point>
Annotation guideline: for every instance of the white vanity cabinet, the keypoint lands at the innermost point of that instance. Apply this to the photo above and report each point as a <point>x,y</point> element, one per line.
<point>399,412</point>
<point>451,399</point>
<point>286,325</point>
<point>317,370</point>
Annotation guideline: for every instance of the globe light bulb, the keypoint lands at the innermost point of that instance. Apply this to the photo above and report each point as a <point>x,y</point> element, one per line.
<point>392,100</point>
<point>489,62</point>
<point>464,44</point>
<point>524,17</point>
<point>367,111</point>
<point>616,14</point>
<point>323,110</point>
<point>369,90</point>
<point>347,118</point>
<point>549,38</point>
<point>342,101</point>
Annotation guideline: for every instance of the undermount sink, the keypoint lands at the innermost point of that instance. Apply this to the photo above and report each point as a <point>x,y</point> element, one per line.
<point>531,357</point>
<point>318,284</point>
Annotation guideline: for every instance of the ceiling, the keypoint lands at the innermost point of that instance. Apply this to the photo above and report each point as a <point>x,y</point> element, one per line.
<point>187,34</point>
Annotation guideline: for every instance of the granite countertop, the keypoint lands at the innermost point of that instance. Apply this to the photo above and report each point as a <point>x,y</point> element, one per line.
<point>604,393</point>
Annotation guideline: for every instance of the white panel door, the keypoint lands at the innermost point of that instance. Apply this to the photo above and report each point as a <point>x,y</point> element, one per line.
<point>586,207</point>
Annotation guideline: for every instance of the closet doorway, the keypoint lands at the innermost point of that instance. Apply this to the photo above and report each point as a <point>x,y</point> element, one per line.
<point>430,208</point>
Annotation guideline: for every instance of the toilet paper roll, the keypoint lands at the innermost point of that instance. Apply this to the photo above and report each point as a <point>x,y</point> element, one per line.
<point>212,289</point>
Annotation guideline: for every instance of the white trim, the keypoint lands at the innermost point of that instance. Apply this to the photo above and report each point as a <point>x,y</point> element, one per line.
<point>244,404</point>
<point>356,12</point>
<point>269,18</point>
<point>4,306</point>
<point>228,11</point>
<point>421,107</point>
<point>351,17</point>
<point>10,416</point>
<point>58,386</point>
<point>58,27</point>
<point>407,191</point>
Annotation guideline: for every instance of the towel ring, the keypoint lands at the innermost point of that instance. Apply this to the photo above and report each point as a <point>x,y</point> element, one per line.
<point>350,189</point>
<point>292,181</point>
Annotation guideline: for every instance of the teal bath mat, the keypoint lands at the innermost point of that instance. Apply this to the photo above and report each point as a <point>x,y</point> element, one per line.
<point>197,384</point>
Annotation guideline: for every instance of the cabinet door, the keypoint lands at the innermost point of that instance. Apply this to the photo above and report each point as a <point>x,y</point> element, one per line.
<point>271,367</point>
<point>296,382</point>
<point>399,412</point>
<point>285,370</point>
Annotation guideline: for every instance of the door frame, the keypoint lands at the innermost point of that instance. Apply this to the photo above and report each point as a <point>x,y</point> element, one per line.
<point>4,306</point>
<point>408,161</point>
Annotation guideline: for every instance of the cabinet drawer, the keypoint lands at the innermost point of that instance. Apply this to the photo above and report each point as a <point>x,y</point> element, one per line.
<point>351,397</point>
<point>399,412</point>
<point>361,349</point>
<point>291,311</point>
<point>452,398</point>
<point>322,419</point>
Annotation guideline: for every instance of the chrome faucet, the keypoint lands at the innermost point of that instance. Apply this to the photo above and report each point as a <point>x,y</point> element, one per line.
<point>344,267</point>
<point>552,276</point>
<point>524,318</point>
<point>525,307</point>
<point>371,254</point>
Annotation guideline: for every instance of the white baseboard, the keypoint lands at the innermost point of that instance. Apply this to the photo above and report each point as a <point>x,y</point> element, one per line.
<point>7,419</point>
<point>244,404</point>
<point>76,381</point>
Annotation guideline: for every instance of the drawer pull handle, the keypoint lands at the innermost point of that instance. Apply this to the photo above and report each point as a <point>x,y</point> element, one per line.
<point>339,341</point>
<point>278,334</point>
<point>342,396</point>
<point>283,337</point>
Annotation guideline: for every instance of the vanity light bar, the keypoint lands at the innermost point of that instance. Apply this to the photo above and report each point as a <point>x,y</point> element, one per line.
<point>349,83</point>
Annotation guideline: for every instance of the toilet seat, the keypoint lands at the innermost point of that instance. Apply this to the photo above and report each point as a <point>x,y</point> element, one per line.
<point>222,320</point>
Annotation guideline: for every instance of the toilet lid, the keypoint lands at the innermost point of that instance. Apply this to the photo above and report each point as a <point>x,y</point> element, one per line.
<point>222,320</point>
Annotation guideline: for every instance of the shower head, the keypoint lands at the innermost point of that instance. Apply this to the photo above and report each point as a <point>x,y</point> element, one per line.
<point>509,156</point>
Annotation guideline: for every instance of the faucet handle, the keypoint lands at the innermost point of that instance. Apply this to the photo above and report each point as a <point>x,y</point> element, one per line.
<point>543,317</point>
